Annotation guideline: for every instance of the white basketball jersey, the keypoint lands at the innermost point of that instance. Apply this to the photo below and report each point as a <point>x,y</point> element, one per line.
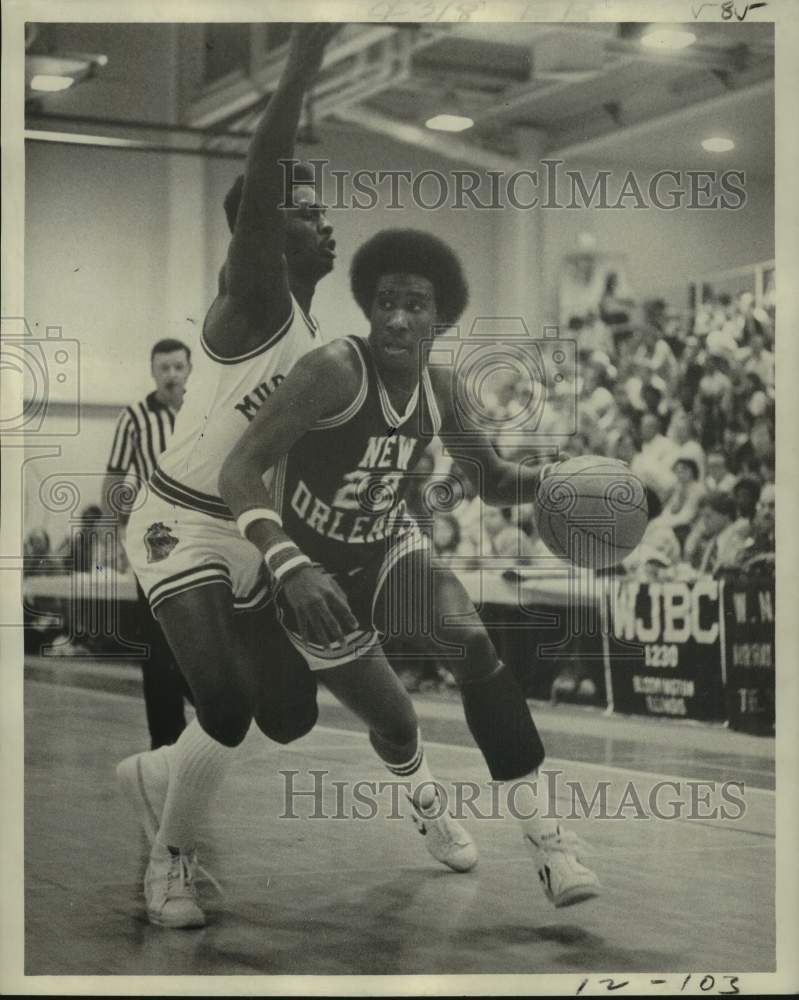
<point>222,397</point>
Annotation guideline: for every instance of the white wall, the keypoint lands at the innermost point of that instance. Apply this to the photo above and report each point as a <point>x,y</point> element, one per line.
<point>665,250</point>
<point>114,239</point>
<point>101,258</point>
<point>95,259</point>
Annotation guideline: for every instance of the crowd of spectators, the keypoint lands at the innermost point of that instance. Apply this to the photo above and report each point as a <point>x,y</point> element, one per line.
<point>686,400</point>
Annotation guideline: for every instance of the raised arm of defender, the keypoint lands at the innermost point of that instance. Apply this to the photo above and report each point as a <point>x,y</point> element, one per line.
<point>256,250</point>
<point>254,298</point>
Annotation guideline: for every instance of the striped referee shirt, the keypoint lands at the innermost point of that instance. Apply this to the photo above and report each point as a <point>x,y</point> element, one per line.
<point>142,433</point>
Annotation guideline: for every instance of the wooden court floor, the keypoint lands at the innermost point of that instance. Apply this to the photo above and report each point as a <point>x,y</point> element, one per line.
<point>342,896</point>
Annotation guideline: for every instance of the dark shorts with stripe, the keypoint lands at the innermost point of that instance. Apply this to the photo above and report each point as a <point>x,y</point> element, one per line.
<point>380,591</point>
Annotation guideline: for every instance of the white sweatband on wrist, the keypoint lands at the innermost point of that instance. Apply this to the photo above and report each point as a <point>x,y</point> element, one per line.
<point>257,514</point>
<point>277,547</point>
<point>289,565</point>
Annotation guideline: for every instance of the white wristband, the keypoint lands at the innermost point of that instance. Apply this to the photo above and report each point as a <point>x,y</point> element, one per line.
<point>290,564</point>
<point>256,514</point>
<point>277,547</point>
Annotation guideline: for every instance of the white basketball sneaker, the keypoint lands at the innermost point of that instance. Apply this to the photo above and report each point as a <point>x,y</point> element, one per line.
<point>565,880</point>
<point>445,838</point>
<point>144,779</point>
<point>169,890</point>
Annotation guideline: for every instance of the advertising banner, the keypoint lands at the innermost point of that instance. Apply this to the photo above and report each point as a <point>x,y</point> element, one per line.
<point>748,652</point>
<point>664,649</point>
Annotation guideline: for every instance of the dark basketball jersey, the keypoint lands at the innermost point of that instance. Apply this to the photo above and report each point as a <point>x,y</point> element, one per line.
<point>341,489</point>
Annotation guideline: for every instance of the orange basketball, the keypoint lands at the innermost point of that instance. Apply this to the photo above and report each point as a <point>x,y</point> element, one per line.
<point>591,510</point>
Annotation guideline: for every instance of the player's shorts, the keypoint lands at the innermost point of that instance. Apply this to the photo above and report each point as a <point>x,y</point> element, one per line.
<point>384,586</point>
<point>173,550</point>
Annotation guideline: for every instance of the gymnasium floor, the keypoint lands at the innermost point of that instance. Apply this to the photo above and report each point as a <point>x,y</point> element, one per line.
<point>332,897</point>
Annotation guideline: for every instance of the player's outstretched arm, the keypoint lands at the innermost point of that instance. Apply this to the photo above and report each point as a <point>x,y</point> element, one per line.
<point>255,271</point>
<point>499,482</point>
<point>321,383</point>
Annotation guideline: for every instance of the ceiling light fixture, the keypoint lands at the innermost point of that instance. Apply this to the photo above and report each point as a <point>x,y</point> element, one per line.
<point>59,71</point>
<point>668,38</point>
<point>50,84</point>
<point>449,123</point>
<point>717,144</point>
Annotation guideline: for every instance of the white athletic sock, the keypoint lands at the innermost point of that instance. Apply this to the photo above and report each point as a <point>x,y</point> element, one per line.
<point>156,764</point>
<point>414,769</point>
<point>159,759</point>
<point>531,806</point>
<point>197,764</point>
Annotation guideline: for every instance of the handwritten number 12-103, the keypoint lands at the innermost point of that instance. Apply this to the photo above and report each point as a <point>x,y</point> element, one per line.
<point>705,984</point>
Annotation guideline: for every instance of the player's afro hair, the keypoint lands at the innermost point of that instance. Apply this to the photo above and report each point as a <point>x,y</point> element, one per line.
<point>409,251</point>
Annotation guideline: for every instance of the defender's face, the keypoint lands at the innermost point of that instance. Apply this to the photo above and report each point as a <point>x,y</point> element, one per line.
<point>403,316</point>
<point>310,247</point>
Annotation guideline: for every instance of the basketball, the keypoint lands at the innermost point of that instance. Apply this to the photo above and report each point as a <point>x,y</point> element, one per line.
<point>591,510</point>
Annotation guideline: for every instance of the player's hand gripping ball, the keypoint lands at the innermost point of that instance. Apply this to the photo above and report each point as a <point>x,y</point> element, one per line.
<point>590,510</point>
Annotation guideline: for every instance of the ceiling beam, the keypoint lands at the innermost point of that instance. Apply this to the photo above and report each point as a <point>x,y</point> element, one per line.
<point>248,89</point>
<point>129,145</point>
<point>521,99</point>
<point>621,52</point>
<point>708,57</point>
<point>77,124</point>
<point>641,130</point>
<point>368,78</point>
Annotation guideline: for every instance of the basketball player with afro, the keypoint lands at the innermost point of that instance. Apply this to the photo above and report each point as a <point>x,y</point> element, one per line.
<point>342,435</point>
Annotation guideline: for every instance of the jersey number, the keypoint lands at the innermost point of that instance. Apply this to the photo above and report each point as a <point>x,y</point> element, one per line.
<point>368,491</point>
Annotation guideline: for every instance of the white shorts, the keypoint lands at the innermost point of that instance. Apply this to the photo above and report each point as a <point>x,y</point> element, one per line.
<point>172,550</point>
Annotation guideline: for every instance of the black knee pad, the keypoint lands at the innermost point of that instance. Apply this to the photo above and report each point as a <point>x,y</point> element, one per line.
<point>226,725</point>
<point>289,722</point>
<point>500,721</point>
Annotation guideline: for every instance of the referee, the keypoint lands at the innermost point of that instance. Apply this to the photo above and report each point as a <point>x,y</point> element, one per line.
<point>143,431</point>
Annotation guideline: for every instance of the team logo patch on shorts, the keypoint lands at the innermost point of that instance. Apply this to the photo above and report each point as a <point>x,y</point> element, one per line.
<point>159,542</point>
